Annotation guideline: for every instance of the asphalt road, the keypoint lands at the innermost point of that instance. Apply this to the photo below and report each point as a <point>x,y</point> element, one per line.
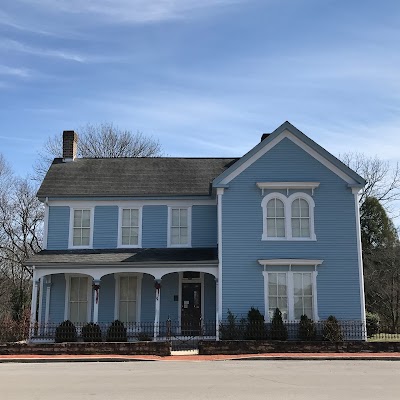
<point>214,380</point>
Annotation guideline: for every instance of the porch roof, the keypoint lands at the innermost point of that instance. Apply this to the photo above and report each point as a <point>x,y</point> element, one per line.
<point>125,256</point>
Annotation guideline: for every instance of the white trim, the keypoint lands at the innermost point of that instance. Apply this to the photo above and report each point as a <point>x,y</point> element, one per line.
<point>68,277</point>
<point>189,227</point>
<point>220,192</point>
<point>287,134</point>
<point>41,280</point>
<point>290,293</point>
<point>139,277</point>
<point>140,222</point>
<point>290,262</point>
<point>34,296</point>
<point>287,185</point>
<point>48,294</point>
<point>360,259</point>
<point>46,224</point>
<point>287,202</point>
<point>71,227</point>
<point>131,203</point>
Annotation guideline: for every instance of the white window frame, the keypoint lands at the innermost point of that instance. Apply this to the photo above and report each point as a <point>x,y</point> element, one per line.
<point>287,201</point>
<point>67,295</point>
<point>290,292</point>
<point>140,218</point>
<point>189,228</point>
<point>139,276</point>
<point>71,227</point>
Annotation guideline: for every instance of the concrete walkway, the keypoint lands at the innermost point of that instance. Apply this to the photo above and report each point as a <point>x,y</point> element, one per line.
<point>198,358</point>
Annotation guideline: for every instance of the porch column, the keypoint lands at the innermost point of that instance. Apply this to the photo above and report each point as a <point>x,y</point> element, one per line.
<point>216,310</point>
<point>96,290</point>
<point>47,306</point>
<point>157,286</point>
<point>35,287</point>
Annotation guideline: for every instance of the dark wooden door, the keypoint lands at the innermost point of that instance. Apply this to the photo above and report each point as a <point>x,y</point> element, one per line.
<point>191,307</point>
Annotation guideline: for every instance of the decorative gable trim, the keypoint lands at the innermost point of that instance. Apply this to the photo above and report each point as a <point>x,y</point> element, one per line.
<point>287,130</point>
<point>287,186</point>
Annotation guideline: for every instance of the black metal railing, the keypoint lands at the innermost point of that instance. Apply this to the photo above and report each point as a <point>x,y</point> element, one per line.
<point>175,331</point>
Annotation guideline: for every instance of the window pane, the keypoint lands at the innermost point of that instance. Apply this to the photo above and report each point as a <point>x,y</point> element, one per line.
<point>272,289</point>
<point>308,312</point>
<point>175,217</point>
<point>86,218</point>
<point>305,209</point>
<point>184,236</point>
<point>307,302</point>
<point>280,208</point>
<point>123,311</point>
<point>297,284</point>
<point>280,227</point>
<point>298,312</point>
<point>305,227</point>
<point>295,208</point>
<point>271,208</point>
<point>126,217</point>
<point>175,236</point>
<point>307,284</point>
<point>74,289</point>
<point>296,227</point>
<point>184,219</point>
<point>273,303</point>
<point>83,286</point>
<point>124,288</point>
<point>132,288</point>
<point>134,217</point>
<point>132,311</point>
<point>271,227</point>
<point>273,278</point>
<point>74,312</point>
<point>282,303</point>
<point>298,302</point>
<point>85,241</point>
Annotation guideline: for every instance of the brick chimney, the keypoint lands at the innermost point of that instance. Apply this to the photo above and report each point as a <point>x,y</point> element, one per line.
<point>70,145</point>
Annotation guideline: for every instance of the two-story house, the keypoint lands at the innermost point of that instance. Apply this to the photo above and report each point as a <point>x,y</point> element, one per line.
<point>143,240</point>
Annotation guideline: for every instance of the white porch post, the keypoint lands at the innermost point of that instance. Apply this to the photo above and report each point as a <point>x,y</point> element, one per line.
<point>35,286</point>
<point>47,307</point>
<point>220,192</point>
<point>216,310</point>
<point>96,290</point>
<point>157,286</point>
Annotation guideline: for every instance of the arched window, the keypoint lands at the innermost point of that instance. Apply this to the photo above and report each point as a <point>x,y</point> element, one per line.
<point>275,218</point>
<point>300,218</point>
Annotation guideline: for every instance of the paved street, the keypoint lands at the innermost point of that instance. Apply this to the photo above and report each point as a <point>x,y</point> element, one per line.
<point>215,380</point>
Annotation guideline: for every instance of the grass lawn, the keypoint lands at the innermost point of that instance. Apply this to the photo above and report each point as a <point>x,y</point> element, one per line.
<point>385,337</point>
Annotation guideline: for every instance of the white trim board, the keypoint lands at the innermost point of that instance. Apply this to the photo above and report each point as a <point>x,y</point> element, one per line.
<point>131,203</point>
<point>287,134</point>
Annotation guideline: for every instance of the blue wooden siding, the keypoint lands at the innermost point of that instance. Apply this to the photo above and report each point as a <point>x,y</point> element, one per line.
<point>204,226</point>
<point>57,299</point>
<point>154,226</point>
<point>107,298</point>
<point>148,298</point>
<point>105,230</point>
<point>209,298</point>
<point>58,228</point>
<point>169,289</point>
<point>335,229</point>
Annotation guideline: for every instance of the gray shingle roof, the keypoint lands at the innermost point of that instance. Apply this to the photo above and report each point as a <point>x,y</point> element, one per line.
<point>158,176</point>
<point>125,256</point>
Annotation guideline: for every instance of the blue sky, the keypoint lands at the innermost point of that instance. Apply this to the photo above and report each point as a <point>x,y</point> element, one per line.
<point>205,77</point>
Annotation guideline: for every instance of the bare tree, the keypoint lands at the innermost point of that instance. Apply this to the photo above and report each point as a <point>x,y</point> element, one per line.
<point>383,179</point>
<point>95,141</point>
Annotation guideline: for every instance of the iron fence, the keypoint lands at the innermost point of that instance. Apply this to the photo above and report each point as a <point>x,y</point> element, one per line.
<point>179,334</point>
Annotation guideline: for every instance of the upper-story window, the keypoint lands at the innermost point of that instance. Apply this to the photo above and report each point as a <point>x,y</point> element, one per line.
<point>130,227</point>
<point>82,228</point>
<point>288,218</point>
<point>179,227</point>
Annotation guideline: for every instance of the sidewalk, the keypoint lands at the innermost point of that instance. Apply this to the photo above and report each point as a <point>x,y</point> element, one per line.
<point>198,358</point>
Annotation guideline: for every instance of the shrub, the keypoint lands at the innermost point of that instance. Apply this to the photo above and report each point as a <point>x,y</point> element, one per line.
<point>91,332</point>
<point>255,327</point>
<point>278,328</point>
<point>231,329</point>
<point>332,331</point>
<point>116,332</point>
<point>373,324</point>
<point>307,330</point>
<point>144,337</point>
<point>66,332</point>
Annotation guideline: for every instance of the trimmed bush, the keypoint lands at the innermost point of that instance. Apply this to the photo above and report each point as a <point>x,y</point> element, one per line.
<point>332,331</point>
<point>278,328</point>
<point>373,324</point>
<point>307,330</point>
<point>116,332</point>
<point>255,328</point>
<point>232,329</point>
<point>91,332</point>
<point>66,332</point>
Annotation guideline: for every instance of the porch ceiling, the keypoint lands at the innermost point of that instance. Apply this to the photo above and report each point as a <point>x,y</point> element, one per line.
<point>125,256</point>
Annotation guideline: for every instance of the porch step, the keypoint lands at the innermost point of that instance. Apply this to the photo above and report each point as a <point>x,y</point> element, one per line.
<point>184,352</point>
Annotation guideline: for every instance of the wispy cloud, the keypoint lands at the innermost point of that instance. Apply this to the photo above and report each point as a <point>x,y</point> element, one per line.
<point>17,72</point>
<point>8,20</point>
<point>133,11</point>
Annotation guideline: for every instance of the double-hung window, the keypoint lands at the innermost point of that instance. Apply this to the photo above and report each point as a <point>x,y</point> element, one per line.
<point>179,221</point>
<point>293,293</point>
<point>78,299</point>
<point>129,235</point>
<point>81,235</point>
<point>127,298</point>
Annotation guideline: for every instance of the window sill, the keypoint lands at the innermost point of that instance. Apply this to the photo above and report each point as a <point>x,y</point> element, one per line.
<point>287,239</point>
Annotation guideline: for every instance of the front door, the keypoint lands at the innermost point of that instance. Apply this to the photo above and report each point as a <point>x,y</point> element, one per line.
<point>191,308</point>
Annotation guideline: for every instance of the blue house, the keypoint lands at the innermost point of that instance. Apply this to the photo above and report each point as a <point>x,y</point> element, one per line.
<point>148,240</point>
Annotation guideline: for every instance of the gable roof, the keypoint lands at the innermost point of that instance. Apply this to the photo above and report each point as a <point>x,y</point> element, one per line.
<point>303,141</point>
<point>155,176</point>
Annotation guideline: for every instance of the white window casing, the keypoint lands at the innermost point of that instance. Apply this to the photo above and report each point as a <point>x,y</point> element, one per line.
<point>179,226</point>
<point>297,219</point>
<point>81,225</point>
<point>130,227</point>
